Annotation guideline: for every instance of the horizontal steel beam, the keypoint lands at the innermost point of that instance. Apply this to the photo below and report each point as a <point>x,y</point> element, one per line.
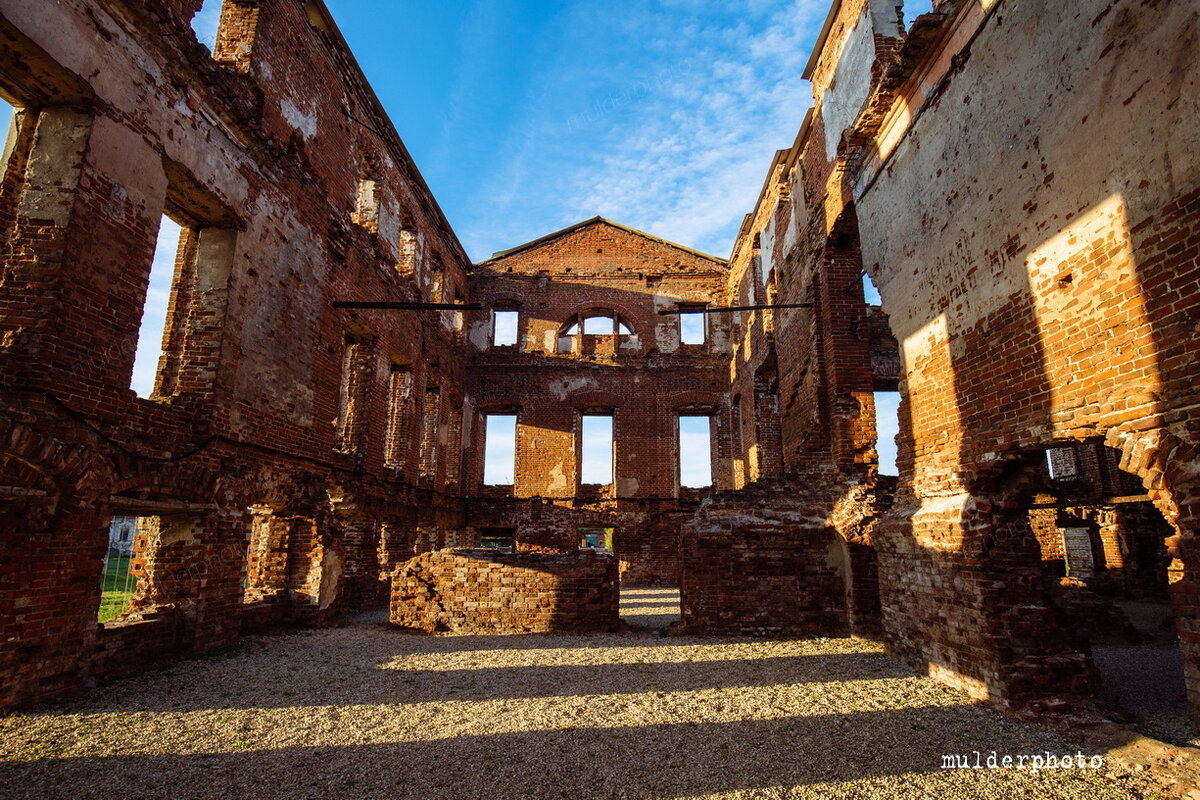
<point>722,309</point>
<point>384,305</point>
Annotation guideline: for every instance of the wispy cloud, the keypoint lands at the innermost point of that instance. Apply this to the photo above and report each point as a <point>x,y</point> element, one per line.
<point>670,131</point>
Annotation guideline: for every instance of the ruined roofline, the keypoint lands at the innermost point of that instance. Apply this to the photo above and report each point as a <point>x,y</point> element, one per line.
<point>819,45</point>
<point>390,130</point>
<point>593,221</point>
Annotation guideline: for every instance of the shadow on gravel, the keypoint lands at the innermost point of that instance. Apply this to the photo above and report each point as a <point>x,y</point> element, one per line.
<point>668,760</point>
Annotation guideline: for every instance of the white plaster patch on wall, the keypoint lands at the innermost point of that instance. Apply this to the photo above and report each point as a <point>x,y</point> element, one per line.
<point>847,92</point>
<point>558,477</point>
<point>479,333</point>
<point>666,332</point>
<point>303,120</point>
<point>562,388</point>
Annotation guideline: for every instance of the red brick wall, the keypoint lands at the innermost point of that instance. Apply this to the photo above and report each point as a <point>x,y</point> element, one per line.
<point>262,149</point>
<point>484,591</point>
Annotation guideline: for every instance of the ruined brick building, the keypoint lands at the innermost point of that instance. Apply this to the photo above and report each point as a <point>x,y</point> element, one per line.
<point>1023,187</point>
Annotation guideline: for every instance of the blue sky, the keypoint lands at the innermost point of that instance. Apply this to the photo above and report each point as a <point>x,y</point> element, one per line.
<point>527,116</point>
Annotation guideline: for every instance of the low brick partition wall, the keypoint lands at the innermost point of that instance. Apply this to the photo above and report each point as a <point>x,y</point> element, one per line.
<point>490,591</point>
<point>770,561</point>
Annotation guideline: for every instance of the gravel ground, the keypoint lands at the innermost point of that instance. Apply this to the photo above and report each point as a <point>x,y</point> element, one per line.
<point>364,711</point>
<point>1146,682</point>
<point>650,608</point>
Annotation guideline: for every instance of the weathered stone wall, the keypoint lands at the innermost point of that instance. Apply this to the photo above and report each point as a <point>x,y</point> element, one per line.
<point>485,591</point>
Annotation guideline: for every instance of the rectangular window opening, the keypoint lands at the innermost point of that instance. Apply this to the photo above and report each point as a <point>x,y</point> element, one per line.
<point>431,423</point>
<point>598,326</point>
<point>399,415</point>
<point>600,539</point>
<point>119,576</point>
<point>1062,463</point>
<point>500,450</point>
<point>504,328</point>
<point>497,538</point>
<point>366,205</point>
<point>356,376</point>
<point>267,554</point>
<point>153,329</point>
<point>692,326</point>
<point>596,449</point>
<point>887,428</point>
<point>206,21</point>
<point>410,245</point>
<point>695,451</point>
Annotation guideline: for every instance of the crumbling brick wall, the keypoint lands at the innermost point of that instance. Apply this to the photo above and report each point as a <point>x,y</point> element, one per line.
<point>1039,299</point>
<point>486,591</point>
<point>266,396</point>
<point>773,560</point>
<point>643,379</point>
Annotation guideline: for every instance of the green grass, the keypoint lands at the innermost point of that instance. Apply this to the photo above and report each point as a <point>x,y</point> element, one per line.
<point>116,588</point>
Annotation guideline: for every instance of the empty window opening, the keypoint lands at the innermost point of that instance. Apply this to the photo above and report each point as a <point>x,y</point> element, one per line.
<point>431,420</point>
<point>504,327</point>
<point>500,450</point>
<point>695,451</point>
<point>1062,463</point>
<point>410,247</point>
<point>870,293</point>
<point>366,205</point>
<point>266,571</point>
<point>456,317</point>
<point>206,21</point>
<point>118,580</point>
<point>598,326</point>
<point>153,328</point>
<point>497,538</point>
<point>400,383</point>
<point>887,428</point>
<point>692,326</point>
<point>915,8</point>
<point>356,378</point>
<point>596,449</point>
<point>596,538</point>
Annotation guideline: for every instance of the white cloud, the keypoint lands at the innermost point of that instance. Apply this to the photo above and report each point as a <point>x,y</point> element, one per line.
<point>671,133</point>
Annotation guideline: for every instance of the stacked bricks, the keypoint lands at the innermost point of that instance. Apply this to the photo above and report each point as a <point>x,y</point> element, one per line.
<point>766,561</point>
<point>489,591</point>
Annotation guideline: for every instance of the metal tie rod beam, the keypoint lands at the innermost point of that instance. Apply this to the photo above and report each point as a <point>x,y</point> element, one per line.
<point>671,311</point>
<point>384,305</point>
